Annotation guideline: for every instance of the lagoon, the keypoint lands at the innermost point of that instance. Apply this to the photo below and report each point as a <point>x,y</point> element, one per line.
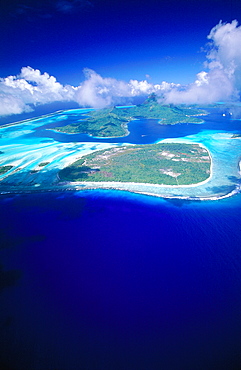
<point>26,144</point>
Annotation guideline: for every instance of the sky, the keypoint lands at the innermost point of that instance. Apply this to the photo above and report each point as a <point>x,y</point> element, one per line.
<point>98,53</point>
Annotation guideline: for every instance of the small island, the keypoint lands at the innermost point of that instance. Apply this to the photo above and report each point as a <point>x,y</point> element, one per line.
<point>5,169</point>
<point>163,163</point>
<point>113,122</point>
<point>107,122</point>
<point>43,164</point>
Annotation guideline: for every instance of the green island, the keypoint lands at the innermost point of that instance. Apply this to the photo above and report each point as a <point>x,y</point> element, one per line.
<point>4,169</point>
<point>113,122</point>
<point>107,122</point>
<point>43,164</point>
<point>162,163</point>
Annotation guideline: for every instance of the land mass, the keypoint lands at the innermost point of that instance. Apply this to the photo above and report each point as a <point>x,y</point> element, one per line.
<point>113,122</point>
<point>5,169</point>
<point>163,163</point>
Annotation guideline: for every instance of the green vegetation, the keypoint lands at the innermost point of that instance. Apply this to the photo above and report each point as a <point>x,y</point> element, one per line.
<point>112,122</point>
<point>166,114</point>
<point>100,123</point>
<point>4,169</point>
<point>43,164</point>
<point>169,164</point>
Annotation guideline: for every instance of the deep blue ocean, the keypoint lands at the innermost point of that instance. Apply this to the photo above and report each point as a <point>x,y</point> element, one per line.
<point>113,280</point>
<point>108,280</point>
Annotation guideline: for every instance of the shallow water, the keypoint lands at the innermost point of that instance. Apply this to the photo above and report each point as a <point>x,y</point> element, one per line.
<point>31,142</point>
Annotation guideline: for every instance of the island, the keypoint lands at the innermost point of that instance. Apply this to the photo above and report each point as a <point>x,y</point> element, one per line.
<point>43,164</point>
<point>162,163</point>
<point>5,169</point>
<point>187,163</point>
<point>113,122</point>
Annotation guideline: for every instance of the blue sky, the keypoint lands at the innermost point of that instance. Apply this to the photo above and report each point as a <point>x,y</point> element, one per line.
<point>119,39</point>
<point>152,40</point>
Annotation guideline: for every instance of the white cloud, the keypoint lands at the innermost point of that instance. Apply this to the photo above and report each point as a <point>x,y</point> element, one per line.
<point>31,87</point>
<point>10,104</point>
<point>99,92</point>
<point>208,88</point>
<point>146,88</point>
<point>226,51</point>
<point>220,81</point>
<point>202,79</point>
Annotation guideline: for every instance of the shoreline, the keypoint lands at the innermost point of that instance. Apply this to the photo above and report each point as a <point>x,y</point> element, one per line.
<point>64,157</point>
<point>84,186</point>
<point>69,188</point>
<point>103,184</point>
<point>125,128</point>
<point>41,117</point>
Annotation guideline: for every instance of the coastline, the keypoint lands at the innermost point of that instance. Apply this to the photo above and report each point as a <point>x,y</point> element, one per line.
<point>124,127</point>
<point>209,189</point>
<point>223,177</point>
<point>134,188</point>
<point>37,118</point>
<point>71,188</point>
<point>157,190</point>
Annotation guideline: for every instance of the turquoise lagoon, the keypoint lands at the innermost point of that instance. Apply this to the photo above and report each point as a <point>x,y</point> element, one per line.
<point>26,144</point>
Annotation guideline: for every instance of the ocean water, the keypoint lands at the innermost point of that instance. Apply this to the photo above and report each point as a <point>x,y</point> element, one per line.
<point>32,142</point>
<point>110,280</point>
<point>113,280</point>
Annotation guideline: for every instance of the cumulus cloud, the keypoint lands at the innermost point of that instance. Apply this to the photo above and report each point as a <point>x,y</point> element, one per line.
<point>209,87</point>
<point>222,80</point>
<point>226,51</point>
<point>98,92</point>
<point>12,105</point>
<point>31,87</point>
